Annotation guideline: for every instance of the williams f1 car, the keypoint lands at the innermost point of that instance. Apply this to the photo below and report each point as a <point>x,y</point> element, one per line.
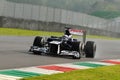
<point>65,45</point>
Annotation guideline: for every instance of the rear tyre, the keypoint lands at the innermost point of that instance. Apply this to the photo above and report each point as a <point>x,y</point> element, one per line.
<point>90,49</point>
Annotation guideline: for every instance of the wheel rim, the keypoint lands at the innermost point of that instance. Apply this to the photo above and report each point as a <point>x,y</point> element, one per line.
<point>42,41</point>
<point>80,47</point>
<point>77,55</point>
<point>94,48</point>
<point>83,46</point>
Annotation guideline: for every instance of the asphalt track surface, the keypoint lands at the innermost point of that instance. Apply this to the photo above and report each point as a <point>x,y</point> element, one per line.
<point>14,53</point>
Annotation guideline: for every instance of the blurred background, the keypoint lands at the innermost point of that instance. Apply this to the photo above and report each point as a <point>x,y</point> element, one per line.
<point>98,17</point>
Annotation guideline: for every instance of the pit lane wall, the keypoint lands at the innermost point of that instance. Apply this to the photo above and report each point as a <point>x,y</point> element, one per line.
<point>37,17</point>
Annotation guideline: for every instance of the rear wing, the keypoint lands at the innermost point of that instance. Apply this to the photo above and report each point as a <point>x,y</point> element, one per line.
<point>78,33</point>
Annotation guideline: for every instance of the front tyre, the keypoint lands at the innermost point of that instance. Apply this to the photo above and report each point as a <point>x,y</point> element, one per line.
<point>90,49</point>
<point>38,41</point>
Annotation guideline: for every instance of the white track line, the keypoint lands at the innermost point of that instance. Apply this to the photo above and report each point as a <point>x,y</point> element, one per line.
<point>73,66</point>
<point>102,63</point>
<point>39,70</point>
<point>6,77</point>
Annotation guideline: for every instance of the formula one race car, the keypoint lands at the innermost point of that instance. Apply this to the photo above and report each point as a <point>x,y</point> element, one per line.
<point>65,45</point>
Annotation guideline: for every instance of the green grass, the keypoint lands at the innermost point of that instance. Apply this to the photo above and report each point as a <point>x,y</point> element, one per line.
<point>21,32</point>
<point>102,73</point>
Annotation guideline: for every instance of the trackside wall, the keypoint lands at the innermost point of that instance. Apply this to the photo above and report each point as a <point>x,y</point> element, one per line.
<point>50,26</point>
<point>37,17</point>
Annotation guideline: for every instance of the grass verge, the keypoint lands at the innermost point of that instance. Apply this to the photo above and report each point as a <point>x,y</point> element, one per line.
<point>102,73</point>
<point>21,32</point>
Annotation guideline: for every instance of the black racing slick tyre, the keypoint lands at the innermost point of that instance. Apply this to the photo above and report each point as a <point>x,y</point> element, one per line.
<point>90,49</point>
<point>38,41</point>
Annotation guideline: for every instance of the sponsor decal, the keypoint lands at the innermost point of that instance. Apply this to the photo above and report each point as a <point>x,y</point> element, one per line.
<point>76,31</point>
